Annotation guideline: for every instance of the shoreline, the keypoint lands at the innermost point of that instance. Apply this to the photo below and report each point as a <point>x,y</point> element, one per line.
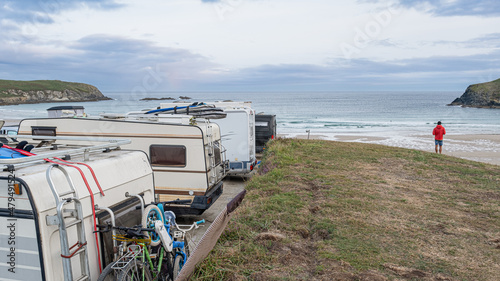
<point>476,147</point>
<point>483,148</point>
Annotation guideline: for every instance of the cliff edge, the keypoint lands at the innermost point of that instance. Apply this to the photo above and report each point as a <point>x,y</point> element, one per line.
<point>39,91</point>
<point>483,95</point>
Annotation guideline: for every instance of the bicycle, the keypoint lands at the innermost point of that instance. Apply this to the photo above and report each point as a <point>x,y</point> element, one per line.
<point>182,253</point>
<point>171,235</point>
<point>135,261</point>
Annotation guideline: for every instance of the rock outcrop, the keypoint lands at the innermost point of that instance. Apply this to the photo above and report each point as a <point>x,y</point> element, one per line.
<point>483,95</point>
<point>146,99</point>
<point>17,96</point>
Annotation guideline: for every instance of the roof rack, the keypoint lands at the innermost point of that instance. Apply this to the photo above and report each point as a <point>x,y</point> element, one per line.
<point>105,144</point>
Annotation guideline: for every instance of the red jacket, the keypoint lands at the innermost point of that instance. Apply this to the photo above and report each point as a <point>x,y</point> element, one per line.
<point>439,132</point>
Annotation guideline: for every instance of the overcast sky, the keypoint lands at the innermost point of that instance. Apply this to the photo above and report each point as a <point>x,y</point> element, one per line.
<point>252,45</point>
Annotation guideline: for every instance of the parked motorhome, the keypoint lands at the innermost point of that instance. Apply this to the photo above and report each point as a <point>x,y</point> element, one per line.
<point>265,130</point>
<point>9,130</point>
<point>66,111</point>
<point>237,133</point>
<point>186,157</point>
<point>7,133</point>
<point>46,207</point>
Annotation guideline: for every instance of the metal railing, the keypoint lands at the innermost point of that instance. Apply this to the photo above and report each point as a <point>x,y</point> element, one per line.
<point>107,144</point>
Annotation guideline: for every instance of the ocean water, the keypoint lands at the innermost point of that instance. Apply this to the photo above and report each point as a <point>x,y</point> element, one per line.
<point>392,118</point>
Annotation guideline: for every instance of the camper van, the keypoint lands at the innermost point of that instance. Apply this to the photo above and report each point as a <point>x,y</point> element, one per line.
<point>265,130</point>
<point>7,133</point>
<point>186,155</point>
<point>237,133</point>
<point>49,205</point>
<point>66,111</point>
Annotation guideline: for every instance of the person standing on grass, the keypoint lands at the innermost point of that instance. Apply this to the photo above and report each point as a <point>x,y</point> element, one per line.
<point>439,132</point>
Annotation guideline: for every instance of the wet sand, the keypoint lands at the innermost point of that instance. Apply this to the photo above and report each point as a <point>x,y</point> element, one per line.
<point>480,148</point>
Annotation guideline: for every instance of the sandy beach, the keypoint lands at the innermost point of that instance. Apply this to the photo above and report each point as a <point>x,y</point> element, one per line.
<point>11,122</point>
<point>480,148</point>
<point>476,147</point>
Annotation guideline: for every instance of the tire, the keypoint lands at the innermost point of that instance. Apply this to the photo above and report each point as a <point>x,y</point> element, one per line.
<point>166,267</point>
<point>108,274</point>
<point>178,263</point>
<point>151,214</point>
<point>133,272</point>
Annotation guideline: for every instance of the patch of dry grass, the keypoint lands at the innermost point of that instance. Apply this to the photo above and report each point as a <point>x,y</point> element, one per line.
<point>324,210</point>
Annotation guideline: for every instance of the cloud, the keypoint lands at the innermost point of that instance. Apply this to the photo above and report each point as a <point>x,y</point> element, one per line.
<point>487,8</point>
<point>185,45</point>
<point>486,41</point>
<point>22,20</point>
<point>38,11</point>
<point>117,63</point>
<point>109,62</point>
<point>432,73</point>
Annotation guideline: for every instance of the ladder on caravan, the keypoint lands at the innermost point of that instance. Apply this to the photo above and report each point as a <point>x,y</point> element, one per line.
<point>60,219</point>
<point>211,152</point>
<point>66,197</point>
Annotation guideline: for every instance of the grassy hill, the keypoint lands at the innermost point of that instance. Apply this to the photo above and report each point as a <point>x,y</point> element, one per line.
<point>324,210</point>
<point>481,95</point>
<point>492,87</point>
<point>40,85</point>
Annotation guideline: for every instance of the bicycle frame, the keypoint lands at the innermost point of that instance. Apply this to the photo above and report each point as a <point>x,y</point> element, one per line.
<point>140,252</point>
<point>147,256</point>
<point>180,234</point>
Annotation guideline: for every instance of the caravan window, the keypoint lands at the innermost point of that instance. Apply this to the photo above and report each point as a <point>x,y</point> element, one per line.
<point>217,152</point>
<point>43,131</point>
<point>168,155</point>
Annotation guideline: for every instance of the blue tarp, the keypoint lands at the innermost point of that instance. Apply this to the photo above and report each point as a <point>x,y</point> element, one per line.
<point>6,153</point>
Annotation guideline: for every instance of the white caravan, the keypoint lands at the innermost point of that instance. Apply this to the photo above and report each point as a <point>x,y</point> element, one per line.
<point>48,213</point>
<point>7,133</point>
<point>237,132</point>
<point>186,157</point>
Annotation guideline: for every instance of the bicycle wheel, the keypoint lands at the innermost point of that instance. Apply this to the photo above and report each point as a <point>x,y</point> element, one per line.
<point>178,263</point>
<point>133,272</point>
<point>108,274</point>
<point>166,268</point>
<point>152,214</point>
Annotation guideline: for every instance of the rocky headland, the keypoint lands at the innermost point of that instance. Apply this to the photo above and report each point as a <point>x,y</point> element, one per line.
<point>40,91</point>
<point>483,95</point>
<point>147,99</point>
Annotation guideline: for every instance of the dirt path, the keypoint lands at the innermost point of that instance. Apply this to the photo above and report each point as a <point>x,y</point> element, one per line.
<point>232,186</point>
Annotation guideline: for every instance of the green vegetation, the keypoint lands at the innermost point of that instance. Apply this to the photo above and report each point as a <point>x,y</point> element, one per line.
<point>492,87</point>
<point>41,85</point>
<point>323,210</point>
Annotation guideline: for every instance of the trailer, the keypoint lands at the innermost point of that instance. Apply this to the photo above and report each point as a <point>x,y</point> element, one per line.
<point>237,131</point>
<point>186,155</point>
<point>265,130</point>
<point>7,133</point>
<point>66,111</point>
<point>52,195</point>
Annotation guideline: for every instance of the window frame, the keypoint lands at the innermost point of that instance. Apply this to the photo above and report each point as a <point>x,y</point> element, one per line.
<point>44,128</point>
<point>166,146</point>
